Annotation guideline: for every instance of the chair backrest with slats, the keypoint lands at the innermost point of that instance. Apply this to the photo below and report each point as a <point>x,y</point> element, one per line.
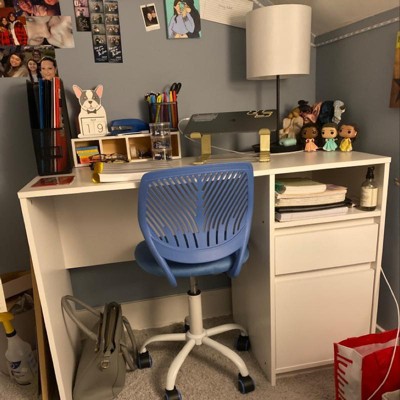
<point>197,214</point>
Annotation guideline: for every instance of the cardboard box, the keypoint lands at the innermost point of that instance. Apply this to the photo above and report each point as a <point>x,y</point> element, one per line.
<point>11,285</point>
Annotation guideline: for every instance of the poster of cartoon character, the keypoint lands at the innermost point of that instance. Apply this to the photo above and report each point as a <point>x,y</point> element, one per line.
<point>183,19</point>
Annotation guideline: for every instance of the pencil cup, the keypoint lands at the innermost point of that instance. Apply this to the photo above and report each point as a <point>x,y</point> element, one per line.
<point>51,151</point>
<point>164,112</point>
<point>160,136</point>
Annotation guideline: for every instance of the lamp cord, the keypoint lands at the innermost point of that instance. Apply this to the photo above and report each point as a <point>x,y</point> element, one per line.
<point>396,342</point>
<point>221,148</point>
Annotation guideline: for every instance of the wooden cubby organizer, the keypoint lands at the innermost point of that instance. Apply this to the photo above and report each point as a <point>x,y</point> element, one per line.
<point>130,145</point>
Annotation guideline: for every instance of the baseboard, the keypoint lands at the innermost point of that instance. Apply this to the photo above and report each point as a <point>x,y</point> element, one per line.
<point>163,311</point>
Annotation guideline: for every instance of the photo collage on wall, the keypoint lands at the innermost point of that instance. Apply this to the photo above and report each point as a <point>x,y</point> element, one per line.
<point>101,17</point>
<point>30,30</point>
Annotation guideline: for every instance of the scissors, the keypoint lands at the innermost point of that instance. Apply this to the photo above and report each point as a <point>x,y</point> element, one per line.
<point>176,87</point>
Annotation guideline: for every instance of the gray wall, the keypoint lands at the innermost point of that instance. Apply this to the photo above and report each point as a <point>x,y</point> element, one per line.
<point>213,73</point>
<point>359,71</point>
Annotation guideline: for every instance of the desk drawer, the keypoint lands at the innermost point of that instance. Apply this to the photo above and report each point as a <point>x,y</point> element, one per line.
<point>316,309</point>
<point>325,248</point>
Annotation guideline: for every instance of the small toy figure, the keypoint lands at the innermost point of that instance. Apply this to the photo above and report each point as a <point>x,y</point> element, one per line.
<point>309,132</point>
<point>307,112</point>
<point>326,112</point>
<point>338,110</point>
<point>292,125</point>
<point>348,132</point>
<point>329,132</point>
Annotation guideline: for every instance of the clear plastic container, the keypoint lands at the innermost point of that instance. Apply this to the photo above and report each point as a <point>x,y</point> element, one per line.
<point>160,135</point>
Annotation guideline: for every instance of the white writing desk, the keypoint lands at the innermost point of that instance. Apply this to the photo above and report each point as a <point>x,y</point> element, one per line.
<point>306,284</point>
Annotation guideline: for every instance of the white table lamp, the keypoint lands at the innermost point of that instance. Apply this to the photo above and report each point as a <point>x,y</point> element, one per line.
<point>278,43</point>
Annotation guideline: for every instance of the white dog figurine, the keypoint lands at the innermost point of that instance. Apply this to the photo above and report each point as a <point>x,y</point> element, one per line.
<point>92,118</point>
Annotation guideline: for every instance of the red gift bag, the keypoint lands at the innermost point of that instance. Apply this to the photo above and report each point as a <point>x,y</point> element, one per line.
<point>361,364</point>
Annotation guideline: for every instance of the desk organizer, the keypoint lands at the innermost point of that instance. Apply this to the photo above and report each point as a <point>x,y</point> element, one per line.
<point>51,151</point>
<point>164,112</point>
<point>50,126</point>
<point>135,147</point>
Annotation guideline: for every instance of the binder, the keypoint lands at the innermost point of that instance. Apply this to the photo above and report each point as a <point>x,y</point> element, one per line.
<point>50,126</point>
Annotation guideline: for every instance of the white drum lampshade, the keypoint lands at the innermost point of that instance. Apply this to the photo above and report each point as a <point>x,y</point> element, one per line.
<point>278,41</point>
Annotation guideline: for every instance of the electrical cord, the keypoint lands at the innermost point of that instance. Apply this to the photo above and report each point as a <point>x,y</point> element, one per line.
<point>396,343</point>
<point>219,148</point>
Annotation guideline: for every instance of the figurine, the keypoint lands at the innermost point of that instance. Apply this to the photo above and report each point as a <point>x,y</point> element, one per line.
<point>329,132</point>
<point>292,125</point>
<point>309,132</point>
<point>348,132</point>
<point>309,113</point>
<point>338,110</point>
<point>92,118</point>
<point>326,112</point>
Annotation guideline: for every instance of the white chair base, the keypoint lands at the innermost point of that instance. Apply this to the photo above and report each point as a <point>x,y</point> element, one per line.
<point>197,335</point>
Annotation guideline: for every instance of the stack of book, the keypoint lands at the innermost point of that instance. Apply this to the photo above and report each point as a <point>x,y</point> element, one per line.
<point>303,198</point>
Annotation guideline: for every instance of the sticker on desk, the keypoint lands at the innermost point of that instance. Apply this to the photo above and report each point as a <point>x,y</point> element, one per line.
<point>53,181</point>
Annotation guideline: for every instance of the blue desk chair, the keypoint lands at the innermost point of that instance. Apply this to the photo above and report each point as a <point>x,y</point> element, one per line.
<point>196,221</point>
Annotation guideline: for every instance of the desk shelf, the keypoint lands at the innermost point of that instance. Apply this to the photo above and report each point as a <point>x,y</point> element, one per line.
<point>318,281</point>
<point>136,147</point>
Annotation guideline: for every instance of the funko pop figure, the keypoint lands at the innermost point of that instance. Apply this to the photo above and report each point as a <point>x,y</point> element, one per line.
<point>309,132</point>
<point>348,132</point>
<point>329,132</point>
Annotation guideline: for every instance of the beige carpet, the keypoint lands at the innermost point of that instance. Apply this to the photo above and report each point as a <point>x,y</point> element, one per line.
<point>205,375</point>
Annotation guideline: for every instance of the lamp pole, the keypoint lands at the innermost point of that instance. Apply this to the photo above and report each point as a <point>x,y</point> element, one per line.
<point>278,102</point>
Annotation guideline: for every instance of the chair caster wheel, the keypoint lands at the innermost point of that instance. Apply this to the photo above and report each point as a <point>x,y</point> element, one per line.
<point>173,394</point>
<point>245,384</point>
<point>144,360</point>
<point>243,343</point>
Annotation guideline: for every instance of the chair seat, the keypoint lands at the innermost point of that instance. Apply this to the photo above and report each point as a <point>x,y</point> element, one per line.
<point>146,261</point>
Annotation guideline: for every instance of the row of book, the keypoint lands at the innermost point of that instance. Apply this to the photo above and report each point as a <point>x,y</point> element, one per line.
<point>50,126</point>
<point>303,198</point>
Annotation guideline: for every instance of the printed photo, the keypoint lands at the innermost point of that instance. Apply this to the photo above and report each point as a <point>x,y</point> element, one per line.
<point>55,31</point>
<point>96,6</point>
<point>98,29</point>
<point>112,18</point>
<point>24,61</point>
<point>82,16</point>
<point>80,3</point>
<point>37,8</point>
<point>183,19</point>
<point>150,17</point>
<point>12,28</point>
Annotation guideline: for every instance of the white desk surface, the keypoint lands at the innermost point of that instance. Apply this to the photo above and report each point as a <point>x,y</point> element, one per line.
<point>62,225</point>
<point>279,164</point>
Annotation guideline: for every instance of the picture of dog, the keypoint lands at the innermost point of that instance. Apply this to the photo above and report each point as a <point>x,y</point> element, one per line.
<point>92,118</point>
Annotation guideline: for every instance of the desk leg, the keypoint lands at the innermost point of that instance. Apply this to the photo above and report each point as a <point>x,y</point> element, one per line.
<point>46,372</point>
